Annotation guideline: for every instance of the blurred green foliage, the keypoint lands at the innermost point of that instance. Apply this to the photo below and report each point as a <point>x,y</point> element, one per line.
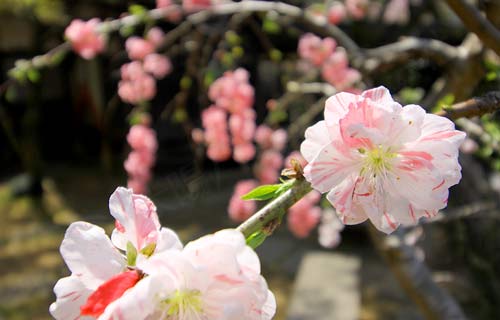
<point>46,11</point>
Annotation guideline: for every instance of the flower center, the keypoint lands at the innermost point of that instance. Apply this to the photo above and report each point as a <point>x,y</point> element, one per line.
<point>377,160</point>
<point>184,301</point>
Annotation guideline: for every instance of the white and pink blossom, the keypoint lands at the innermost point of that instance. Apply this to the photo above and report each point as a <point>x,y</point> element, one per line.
<point>214,277</point>
<point>381,161</point>
<point>99,270</point>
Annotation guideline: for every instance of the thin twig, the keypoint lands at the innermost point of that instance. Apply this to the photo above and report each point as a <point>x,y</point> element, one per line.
<point>386,56</point>
<point>477,23</point>
<point>476,106</point>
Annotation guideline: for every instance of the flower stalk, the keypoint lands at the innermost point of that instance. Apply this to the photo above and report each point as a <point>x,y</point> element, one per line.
<point>276,209</point>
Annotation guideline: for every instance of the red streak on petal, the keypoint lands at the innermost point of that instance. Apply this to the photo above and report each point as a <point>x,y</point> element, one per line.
<point>119,226</point>
<point>412,213</point>
<point>227,279</point>
<point>438,186</point>
<point>419,154</point>
<point>108,292</point>
<point>390,222</point>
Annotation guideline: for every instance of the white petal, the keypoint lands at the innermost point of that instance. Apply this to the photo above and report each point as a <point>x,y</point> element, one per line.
<point>330,167</point>
<point>88,253</point>
<point>441,128</point>
<point>336,107</point>
<point>269,307</point>
<point>71,293</point>
<point>167,239</point>
<point>316,138</point>
<point>380,94</point>
<point>342,196</point>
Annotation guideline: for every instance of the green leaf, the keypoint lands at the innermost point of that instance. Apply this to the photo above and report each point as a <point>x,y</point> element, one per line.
<point>261,193</point>
<point>131,254</point>
<point>256,239</point>
<point>285,186</point>
<point>268,191</point>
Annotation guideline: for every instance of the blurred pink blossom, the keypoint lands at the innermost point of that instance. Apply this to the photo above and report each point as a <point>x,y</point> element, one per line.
<point>279,139</point>
<point>141,159</point>
<point>267,169</point>
<point>155,36</point>
<point>263,136</point>
<point>397,12</point>
<point>232,91</point>
<point>196,5</point>
<point>219,151</point>
<point>243,152</point>
<point>314,49</point>
<point>357,8</point>
<point>84,37</point>
<point>142,138</point>
<point>140,89</point>
<point>337,72</point>
<point>138,48</point>
<point>157,65</point>
<point>329,229</point>
<point>304,216</point>
<point>131,70</point>
<point>239,210</point>
<point>336,13</point>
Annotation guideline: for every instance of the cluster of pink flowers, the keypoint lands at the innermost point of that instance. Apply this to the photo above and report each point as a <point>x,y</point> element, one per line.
<point>381,161</point>
<point>272,143</point>
<point>333,60</point>
<point>138,82</point>
<point>239,210</point>
<point>232,95</point>
<point>144,272</point>
<point>174,14</point>
<point>396,11</point>
<point>304,216</point>
<point>141,159</point>
<point>84,37</point>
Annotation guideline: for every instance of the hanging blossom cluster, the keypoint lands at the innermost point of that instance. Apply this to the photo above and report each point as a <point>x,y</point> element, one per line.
<point>381,161</point>
<point>85,38</point>
<point>233,97</point>
<point>394,12</point>
<point>141,159</point>
<point>138,78</point>
<point>272,143</point>
<point>144,272</point>
<point>332,60</point>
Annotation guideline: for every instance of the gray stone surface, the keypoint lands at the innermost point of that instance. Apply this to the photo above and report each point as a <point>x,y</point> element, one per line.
<point>326,287</point>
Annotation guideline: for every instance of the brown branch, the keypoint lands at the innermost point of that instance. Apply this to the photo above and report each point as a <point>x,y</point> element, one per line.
<point>476,106</point>
<point>477,23</point>
<point>387,56</point>
<point>415,277</point>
